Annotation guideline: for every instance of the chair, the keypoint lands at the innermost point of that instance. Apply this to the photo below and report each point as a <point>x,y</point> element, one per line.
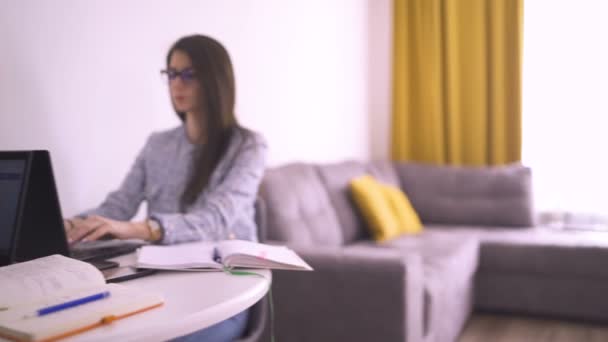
<point>258,313</point>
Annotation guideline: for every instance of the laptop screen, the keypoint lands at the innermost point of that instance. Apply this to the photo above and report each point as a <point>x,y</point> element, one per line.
<point>31,225</point>
<point>12,173</point>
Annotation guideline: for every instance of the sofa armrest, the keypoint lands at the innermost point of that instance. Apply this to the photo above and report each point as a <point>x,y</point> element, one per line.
<point>353,294</point>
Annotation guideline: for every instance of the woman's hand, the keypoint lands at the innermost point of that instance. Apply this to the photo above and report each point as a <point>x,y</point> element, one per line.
<point>68,224</point>
<point>94,227</point>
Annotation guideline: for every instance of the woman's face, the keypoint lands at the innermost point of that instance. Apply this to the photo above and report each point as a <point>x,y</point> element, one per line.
<point>184,85</point>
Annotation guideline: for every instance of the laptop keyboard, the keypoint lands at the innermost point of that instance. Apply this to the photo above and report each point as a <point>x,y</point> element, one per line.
<point>95,250</point>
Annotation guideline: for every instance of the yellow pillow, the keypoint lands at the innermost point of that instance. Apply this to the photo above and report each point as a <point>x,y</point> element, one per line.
<point>386,209</point>
<point>408,219</point>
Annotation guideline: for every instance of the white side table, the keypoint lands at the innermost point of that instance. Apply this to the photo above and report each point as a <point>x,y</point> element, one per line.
<point>193,301</point>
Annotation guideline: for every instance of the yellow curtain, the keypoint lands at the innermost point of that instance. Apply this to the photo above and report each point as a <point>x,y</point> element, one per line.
<point>457,81</point>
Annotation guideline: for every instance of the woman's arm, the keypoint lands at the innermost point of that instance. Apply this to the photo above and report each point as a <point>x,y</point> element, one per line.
<point>215,211</point>
<point>122,204</point>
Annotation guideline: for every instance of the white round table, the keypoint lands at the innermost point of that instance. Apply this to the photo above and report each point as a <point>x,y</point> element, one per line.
<point>193,301</point>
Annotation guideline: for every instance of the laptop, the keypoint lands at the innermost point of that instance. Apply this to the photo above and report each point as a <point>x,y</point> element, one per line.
<point>31,223</point>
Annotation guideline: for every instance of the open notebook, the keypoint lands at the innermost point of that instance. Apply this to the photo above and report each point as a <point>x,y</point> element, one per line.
<point>209,256</point>
<point>46,282</point>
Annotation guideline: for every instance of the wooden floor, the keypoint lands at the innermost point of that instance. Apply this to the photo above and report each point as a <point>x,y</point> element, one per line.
<point>499,328</point>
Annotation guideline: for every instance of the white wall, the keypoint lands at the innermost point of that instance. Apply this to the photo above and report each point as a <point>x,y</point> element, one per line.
<point>380,69</point>
<point>81,79</point>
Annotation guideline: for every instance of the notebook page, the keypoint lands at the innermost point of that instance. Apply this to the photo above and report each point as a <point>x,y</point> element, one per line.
<point>122,300</point>
<point>230,247</point>
<point>186,255</point>
<point>240,253</point>
<point>44,277</point>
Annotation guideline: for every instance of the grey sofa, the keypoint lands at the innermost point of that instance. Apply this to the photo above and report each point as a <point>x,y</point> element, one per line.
<point>480,250</point>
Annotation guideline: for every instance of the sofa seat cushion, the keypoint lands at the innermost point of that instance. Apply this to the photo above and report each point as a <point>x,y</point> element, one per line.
<point>540,271</point>
<point>440,251</point>
<point>537,250</point>
<point>449,266</point>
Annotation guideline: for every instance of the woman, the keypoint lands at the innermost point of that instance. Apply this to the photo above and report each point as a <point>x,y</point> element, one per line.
<point>200,179</point>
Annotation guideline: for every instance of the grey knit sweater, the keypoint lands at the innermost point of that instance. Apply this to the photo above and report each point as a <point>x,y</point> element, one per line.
<point>224,209</point>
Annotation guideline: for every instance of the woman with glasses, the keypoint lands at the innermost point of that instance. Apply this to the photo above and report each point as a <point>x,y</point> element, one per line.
<point>199,179</point>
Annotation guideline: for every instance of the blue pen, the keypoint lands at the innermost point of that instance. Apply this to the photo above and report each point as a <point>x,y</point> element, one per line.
<point>72,303</point>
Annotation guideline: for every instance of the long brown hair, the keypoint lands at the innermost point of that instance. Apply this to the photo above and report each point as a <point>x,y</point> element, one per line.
<point>213,68</point>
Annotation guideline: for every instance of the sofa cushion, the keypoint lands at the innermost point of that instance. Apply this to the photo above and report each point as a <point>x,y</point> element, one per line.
<point>336,178</point>
<point>536,251</point>
<point>298,208</point>
<point>440,251</point>
<point>384,171</point>
<point>492,196</point>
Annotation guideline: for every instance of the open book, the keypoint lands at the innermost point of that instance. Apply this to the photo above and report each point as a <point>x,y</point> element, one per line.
<point>208,256</point>
<point>48,282</point>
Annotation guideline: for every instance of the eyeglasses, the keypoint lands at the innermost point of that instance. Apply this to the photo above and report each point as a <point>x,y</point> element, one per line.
<point>187,75</point>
